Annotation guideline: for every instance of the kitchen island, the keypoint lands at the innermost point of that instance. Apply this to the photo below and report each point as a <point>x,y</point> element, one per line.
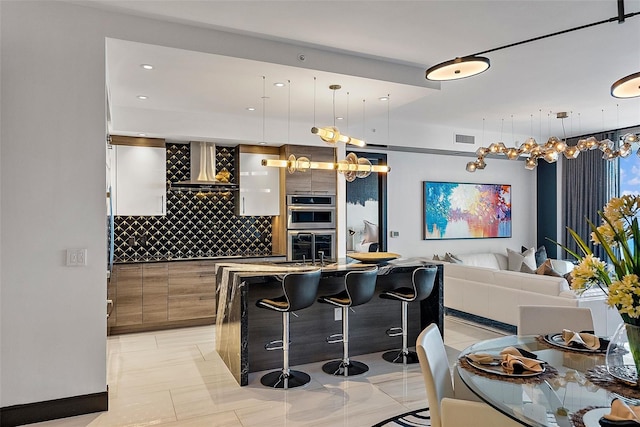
<point>242,329</point>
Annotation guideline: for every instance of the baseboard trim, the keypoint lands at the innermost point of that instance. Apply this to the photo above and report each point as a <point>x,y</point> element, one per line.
<point>28,413</point>
<point>511,329</point>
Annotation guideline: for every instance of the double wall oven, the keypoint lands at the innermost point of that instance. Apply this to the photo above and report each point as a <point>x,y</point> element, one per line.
<point>311,227</point>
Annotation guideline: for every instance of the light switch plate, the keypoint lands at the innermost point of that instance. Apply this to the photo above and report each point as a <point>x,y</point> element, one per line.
<point>337,314</point>
<point>76,257</point>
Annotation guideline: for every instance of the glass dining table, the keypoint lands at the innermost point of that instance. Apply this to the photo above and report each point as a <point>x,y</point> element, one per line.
<point>552,401</point>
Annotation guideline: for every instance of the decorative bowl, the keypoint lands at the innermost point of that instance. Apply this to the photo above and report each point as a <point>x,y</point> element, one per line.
<point>373,257</point>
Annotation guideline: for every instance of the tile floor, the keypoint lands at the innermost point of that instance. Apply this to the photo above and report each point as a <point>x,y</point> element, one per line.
<point>175,378</point>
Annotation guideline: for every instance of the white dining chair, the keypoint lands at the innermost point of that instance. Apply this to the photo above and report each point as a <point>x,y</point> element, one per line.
<point>444,408</point>
<point>545,319</point>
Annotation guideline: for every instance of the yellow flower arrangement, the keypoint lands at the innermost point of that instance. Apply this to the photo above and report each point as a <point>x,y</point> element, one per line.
<point>619,236</point>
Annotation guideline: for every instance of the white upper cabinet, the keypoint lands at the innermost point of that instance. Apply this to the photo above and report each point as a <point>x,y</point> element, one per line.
<point>139,183</point>
<point>259,186</point>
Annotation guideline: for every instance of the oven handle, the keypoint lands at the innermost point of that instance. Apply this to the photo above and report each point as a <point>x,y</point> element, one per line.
<point>318,208</point>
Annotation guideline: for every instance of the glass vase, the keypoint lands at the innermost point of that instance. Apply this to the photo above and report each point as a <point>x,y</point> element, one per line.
<point>623,354</point>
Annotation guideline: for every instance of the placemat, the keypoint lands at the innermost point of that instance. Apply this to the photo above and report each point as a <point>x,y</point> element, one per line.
<point>549,372</point>
<point>600,377</point>
<point>576,417</point>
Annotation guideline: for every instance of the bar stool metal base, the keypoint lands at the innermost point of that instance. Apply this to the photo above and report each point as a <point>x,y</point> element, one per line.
<point>397,356</point>
<point>278,379</point>
<point>338,368</point>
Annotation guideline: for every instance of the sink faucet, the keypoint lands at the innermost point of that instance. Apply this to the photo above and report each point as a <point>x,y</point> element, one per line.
<point>312,244</point>
<point>321,253</point>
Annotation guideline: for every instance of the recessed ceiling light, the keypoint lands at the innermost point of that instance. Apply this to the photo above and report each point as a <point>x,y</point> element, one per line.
<point>339,118</point>
<point>251,108</point>
<point>143,97</point>
<point>142,134</point>
<point>278,84</point>
<point>263,143</point>
<point>383,98</point>
<point>147,66</point>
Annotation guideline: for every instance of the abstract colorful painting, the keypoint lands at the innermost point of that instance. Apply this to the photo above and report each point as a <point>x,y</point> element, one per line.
<point>455,210</point>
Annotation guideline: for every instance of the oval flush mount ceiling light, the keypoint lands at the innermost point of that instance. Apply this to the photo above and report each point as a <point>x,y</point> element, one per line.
<point>627,87</point>
<point>458,68</point>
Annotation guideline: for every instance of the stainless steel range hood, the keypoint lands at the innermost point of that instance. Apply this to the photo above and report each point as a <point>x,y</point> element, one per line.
<point>203,167</point>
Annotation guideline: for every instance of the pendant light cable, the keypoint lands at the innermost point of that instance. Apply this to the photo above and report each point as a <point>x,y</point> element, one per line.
<point>264,99</point>
<point>289,114</point>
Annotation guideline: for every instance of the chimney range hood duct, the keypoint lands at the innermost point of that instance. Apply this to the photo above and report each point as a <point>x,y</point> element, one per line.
<point>203,171</point>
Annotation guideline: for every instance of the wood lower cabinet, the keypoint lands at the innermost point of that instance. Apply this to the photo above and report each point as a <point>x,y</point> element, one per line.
<point>163,295</point>
<point>128,302</point>
<point>155,289</point>
<point>192,293</point>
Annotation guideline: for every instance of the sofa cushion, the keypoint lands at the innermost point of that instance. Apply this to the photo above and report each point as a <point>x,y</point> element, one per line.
<point>516,259</point>
<point>535,283</point>
<point>475,274</point>
<point>487,260</point>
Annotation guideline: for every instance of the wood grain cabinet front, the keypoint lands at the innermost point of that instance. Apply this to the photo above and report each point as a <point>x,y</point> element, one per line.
<point>315,181</point>
<point>128,285</point>
<point>192,292</point>
<point>155,290</point>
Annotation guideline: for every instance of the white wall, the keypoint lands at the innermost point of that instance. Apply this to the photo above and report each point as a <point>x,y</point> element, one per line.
<point>404,188</point>
<point>53,198</point>
<point>52,183</point>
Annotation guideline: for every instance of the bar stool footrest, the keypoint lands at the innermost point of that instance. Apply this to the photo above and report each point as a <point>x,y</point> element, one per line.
<point>394,332</point>
<point>334,338</point>
<point>270,345</point>
<point>338,368</point>
<point>396,356</point>
<point>277,379</point>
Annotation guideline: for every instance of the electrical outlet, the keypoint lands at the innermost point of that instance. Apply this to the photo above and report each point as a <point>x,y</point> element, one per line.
<point>394,233</point>
<point>337,314</point>
<point>76,257</point>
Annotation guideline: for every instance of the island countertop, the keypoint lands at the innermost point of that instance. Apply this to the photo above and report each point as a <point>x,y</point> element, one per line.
<point>242,329</point>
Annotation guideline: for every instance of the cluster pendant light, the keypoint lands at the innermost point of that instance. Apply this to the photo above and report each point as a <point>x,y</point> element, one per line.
<point>554,148</point>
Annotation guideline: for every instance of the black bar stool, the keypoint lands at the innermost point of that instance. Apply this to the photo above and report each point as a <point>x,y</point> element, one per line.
<point>422,279</point>
<point>359,288</point>
<point>300,290</point>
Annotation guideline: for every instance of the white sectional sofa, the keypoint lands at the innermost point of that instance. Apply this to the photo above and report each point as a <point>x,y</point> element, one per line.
<point>481,285</point>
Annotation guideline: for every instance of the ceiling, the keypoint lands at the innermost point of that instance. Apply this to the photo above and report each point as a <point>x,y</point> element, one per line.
<point>196,95</point>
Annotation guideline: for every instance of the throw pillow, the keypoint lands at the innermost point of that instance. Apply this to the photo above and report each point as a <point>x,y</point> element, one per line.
<point>449,257</point>
<point>370,232</point>
<point>569,278</point>
<point>547,269</point>
<point>540,255</point>
<point>516,259</point>
<point>525,269</point>
<point>436,257</point>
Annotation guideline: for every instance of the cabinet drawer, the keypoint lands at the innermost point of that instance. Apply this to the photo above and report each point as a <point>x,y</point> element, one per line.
<point>128,314</point>
<point>155,312</point>
<point>192,307</point>
<point>195,287</point>
<point>182,268</point>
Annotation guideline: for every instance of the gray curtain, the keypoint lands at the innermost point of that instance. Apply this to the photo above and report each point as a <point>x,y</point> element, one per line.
<point>588,183</point>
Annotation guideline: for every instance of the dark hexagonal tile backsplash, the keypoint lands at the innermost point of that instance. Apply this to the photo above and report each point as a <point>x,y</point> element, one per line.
<point>196,224</point>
